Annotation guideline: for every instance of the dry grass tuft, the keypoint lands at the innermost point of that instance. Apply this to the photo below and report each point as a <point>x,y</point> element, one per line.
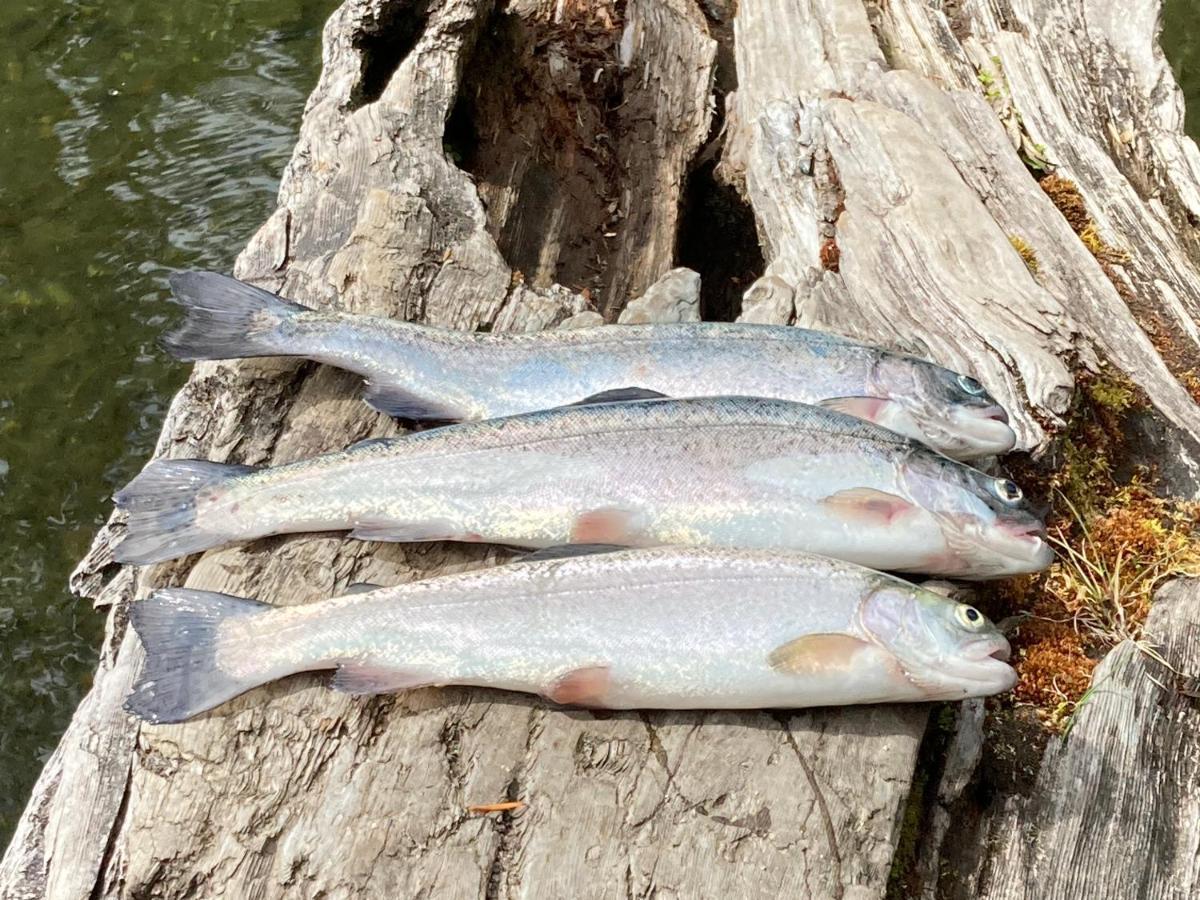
<point>1109,567</point>
<point>1027,253</point>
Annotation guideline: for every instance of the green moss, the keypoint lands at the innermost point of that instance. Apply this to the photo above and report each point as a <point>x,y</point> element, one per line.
<point>1085,475</point>
<point>1093,439</point>
<point>1113,392</point>
<point>928,773</point>
<point>1034,155</point>
<point>910,834</point>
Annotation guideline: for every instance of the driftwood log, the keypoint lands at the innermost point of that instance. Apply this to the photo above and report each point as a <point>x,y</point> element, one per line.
<point>537,163</point>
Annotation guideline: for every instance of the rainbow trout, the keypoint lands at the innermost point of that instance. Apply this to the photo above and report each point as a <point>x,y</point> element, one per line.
<point>666,628</point>
<point>419,373</point>
<point>727,471</point>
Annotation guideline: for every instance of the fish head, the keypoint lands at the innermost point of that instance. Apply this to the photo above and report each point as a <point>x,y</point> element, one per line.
<point>990,528</point>
<point>950,412</point>
<point>947,650</point>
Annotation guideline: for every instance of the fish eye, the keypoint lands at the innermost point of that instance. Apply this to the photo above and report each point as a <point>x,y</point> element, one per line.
<point>1007,490</point>
<point>969,616</point>
<point>970,385</point>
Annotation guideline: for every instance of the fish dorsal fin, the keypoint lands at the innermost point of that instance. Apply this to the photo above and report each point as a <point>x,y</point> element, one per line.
<point>371,442</point>
<point>620,395</point>
<point>361,587</point>
<point>867,505</point>
<point>817,654</point>
<point>566,551</point>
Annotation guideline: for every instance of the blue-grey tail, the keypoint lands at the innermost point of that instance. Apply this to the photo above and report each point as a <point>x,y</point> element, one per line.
<point>226,318</point>
<point>180,631</point>
<point>161,503</point>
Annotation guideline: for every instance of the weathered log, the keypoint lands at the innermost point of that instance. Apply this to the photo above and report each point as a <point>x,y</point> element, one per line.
<point>886,184</point>
<point>863,130</point>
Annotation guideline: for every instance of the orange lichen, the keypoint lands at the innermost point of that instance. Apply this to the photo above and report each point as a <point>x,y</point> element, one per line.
<point>831,256</point>
<point>1191,381</point>
<point>1099,248</point>
<point>1064,194</point>
<point>1055,670</point>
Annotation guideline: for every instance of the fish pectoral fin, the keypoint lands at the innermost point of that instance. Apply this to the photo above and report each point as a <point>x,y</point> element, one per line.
<point>817,654</point>
<point>620,395</point>
<point>868,505</point>
<point>361,587</point>
<point>407,532</point>
<point>860,407</point>
<point>369,678</point>
<point>585,686</point>
<point>608,525</point>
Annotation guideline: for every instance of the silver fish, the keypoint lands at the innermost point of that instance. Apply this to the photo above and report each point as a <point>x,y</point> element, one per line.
<point>727,471</point>
<point>420,373</point>
<point>667,628</point>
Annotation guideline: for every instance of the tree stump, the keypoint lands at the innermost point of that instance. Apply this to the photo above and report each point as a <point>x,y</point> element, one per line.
<point>460,162</point>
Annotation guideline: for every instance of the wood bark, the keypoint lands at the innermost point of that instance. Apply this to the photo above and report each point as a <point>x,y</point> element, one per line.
<point>885,181</point>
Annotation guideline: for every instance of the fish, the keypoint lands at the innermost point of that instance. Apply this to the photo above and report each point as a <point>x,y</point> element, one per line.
<point>739,472</point>
<point>423,374</point>
<point>657,628</point>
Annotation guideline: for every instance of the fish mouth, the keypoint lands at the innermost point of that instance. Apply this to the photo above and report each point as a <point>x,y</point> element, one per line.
<point>978,668</point>
<point>1029,544</point>
<point>996,550</point>
<point>984,663</point>
<point>1025,529</point>
<point>984,430</point>
<point>993,647</point>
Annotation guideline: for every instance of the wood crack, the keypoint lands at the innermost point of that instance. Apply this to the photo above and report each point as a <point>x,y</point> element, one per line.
<point>826,820</point>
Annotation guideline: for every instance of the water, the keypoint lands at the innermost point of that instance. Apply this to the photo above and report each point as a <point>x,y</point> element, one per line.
<point>135,136</point>
<point>1181,42</point>
<point>132,140</point>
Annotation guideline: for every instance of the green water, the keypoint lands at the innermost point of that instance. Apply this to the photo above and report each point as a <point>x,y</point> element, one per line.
<point>135,136</point>
<point>1180,40</point>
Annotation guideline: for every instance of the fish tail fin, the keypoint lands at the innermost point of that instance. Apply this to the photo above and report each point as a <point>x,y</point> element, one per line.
<point>226,318</point>
<point>162,506</point>
<point>181,632</point>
